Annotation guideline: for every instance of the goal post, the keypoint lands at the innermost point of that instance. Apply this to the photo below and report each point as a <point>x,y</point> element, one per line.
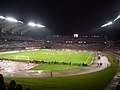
<point>22,57</point>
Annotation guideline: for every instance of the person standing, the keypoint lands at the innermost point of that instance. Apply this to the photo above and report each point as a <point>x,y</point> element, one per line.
<point>2,86</point>
<point>51,74</point>
<point>12,85</point>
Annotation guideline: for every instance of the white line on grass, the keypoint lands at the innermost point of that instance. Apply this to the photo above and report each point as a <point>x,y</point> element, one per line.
<point>88,58</point>
<point>81,55</point>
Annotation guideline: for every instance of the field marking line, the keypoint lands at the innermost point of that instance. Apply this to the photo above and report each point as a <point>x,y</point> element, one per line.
<point>9,52</point>
<point>81,55</point>
<point>75,61</point>
<point>88,57</point>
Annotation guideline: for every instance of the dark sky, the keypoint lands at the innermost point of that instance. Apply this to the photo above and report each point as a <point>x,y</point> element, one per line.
<point>64,16</point>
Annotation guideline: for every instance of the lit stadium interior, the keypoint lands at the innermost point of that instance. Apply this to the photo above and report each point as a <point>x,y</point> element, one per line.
<point>36,57</point>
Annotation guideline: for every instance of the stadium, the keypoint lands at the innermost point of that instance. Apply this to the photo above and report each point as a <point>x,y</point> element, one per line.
<point>57,63</point>
<point>42,61</point>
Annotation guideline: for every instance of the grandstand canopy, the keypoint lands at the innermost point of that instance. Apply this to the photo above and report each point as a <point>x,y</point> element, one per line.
<point>14,25</point>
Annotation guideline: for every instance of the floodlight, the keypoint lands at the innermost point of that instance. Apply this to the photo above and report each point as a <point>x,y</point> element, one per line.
<point>20,21</point>
<point>109,23</point>
<point>31,24</point>
<point>39,25</point>
<point>117,18</point>
<point>11,19</point>
<point>2,17</point>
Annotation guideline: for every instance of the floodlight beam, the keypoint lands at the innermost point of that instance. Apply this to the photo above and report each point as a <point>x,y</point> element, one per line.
<point>31,24</point>
<point>107,24</point>
<point>11,19</point>
<point>39,25</point>
<point>117,18</point>
<point>2,17</point>
<point>20,22</point>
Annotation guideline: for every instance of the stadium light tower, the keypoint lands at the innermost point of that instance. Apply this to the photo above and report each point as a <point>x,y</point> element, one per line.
<point>32,24</point>
<point>39,25</point>
<point>107,24</point>
<point>20,22</point>
<point>2,17</point>
<point>111,22</point>
<point>117,18</point>
<point>11,19</point>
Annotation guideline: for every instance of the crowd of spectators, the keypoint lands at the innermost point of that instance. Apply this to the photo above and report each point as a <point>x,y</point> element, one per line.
<point>11,86</point>
<point>15,38</point>
<point>79,47</point>
<point>77,40</point>
<point>77,43</point>
<point>15,41</point>
<point>15,44</point>
<point>115,48</point>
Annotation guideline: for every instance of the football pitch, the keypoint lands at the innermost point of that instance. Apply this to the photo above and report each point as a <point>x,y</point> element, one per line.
<point>53,55</point>
<point>90,81</point>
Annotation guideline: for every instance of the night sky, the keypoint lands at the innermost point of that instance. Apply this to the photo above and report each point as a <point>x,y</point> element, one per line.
<point>66,16</point>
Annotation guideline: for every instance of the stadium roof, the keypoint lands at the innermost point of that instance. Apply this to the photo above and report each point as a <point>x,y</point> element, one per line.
<point>9,23</point>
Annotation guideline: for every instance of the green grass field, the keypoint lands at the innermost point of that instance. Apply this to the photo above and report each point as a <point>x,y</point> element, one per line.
<point>53,67</point>
<point>91,81</point>
<point>53,55</point>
